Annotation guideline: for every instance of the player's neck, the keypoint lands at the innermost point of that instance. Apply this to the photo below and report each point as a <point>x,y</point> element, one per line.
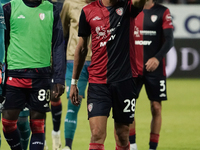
<point>107,3</point>
<point>148,5</point>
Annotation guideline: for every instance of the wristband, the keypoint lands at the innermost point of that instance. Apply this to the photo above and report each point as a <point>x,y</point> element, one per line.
<point>74,81</point>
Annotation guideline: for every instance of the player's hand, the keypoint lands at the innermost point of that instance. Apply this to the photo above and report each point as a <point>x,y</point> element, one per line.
<point>74,95</point>
<point>152,64</point>
<point>57,91</point>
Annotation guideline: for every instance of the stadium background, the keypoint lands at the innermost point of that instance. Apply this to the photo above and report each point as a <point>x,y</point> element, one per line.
<point>181,122</point>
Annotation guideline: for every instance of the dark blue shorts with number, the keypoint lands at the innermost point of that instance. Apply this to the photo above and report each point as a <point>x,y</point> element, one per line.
<point>155,86</point>
<point>119,96</point>
<point>33,92</point>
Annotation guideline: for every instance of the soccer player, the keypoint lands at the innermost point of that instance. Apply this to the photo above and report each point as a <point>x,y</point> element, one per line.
<point>112,70</point>
<point>22,123</point>
<point>153,33</point>
<point>34,31</point>
<point>55,104</point>
<point>70,18</point>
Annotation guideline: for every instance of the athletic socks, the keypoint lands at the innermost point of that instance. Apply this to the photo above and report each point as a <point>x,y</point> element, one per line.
<point>96,146</point>
<point>132,139</point>
<point>38,137</point>
<point>11,134</point>
<point>154,138</point>
<point>70,123</point>
<point>13,139</point>
<point>68,142</point>
<point>24,128</point>
<point>56,110</point>
<point>122,147</point>
<point>37,141</point>
<point>132,136</point>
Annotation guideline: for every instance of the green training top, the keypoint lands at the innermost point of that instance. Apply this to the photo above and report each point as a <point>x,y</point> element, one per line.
<point>30,35</point>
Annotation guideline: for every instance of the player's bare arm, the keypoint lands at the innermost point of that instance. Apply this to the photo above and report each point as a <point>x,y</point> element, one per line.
<point>79,59</point>
<point>138,3</point>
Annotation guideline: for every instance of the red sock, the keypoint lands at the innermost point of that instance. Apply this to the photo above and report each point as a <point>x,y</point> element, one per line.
<point>132,136</point>
<point>122,147</point>
<point>154,137</point>
<point>96,146</point>
<point>153,141</point>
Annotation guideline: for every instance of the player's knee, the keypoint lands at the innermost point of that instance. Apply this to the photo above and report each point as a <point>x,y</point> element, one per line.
<point>98,135</point>
<point>56,102</point>
<point>123,135</point>
<point>37,126</point>
<point>9,125</point>
<point>156,108</point>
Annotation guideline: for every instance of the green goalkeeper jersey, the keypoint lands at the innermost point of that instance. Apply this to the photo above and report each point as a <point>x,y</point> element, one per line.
<point>27,48</point>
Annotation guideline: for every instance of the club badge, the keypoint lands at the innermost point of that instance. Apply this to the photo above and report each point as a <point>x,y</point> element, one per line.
<point>120,11</point>
<point>42,16</point>
<point>154,18</point>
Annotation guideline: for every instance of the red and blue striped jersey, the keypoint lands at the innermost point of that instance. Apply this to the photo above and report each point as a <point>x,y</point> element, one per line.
<point>113,54</point>
<point>153,33</point>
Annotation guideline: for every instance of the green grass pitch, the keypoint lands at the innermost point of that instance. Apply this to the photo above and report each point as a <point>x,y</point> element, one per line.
<point>180,122</point>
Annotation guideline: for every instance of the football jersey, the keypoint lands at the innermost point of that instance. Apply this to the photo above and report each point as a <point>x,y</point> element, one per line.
<point>113,55</point>
<point>149,38</point>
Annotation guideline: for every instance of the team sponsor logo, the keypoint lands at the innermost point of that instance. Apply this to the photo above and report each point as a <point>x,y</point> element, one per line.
<point>70,111</point>
<point>96,18</point>
<point>70,121</point>
<point>20,17</point>
<point>101,32</point>
<point>168,17</point>
<point>42,16</point>
<point>140,42</point>
<point>154,18</point>
<point>120,11</point>
<point>37,143</point>
<point>112,37</point>
<point>90,107</point>
<point>136,31</point>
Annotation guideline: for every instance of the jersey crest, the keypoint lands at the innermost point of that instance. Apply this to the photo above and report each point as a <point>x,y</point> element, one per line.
<point>120,11</point>
<point>154,18</point>
<point>42,16</point>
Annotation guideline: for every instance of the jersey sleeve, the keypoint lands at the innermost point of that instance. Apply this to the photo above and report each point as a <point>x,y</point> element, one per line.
<point>167,20</point>
<point>58,50</point>
<point>168,35</point>
<point>84,27</point>
<point>65,19</point>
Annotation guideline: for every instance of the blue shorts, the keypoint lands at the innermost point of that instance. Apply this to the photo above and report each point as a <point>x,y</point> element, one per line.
<point>155,86</point>
<point>120,96</point>
<point>83,79</point>
<point>35,94</point>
